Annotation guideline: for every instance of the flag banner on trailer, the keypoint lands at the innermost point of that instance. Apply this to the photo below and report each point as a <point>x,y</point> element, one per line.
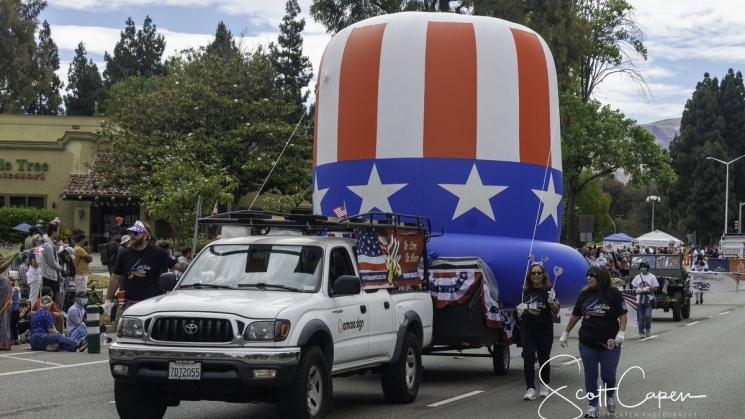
<point>388,257</point>
<point>456,286</point>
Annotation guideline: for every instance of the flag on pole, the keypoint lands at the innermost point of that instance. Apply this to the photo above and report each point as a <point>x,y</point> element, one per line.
<point>341,210</point>
<point>214,209</point>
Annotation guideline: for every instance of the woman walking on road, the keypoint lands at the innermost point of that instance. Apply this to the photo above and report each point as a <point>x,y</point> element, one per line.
<point>603,313</point>
<point>535,311</point>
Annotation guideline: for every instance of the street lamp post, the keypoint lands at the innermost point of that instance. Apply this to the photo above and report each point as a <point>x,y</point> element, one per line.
<point>653,198</point>
<point>739,218</point>
<point>726,187</point>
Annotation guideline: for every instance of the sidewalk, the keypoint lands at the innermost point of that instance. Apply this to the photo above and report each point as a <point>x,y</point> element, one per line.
<point>96,267</point>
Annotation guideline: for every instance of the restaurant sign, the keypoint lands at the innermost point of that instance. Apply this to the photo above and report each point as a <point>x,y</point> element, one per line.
<point>25,169</point>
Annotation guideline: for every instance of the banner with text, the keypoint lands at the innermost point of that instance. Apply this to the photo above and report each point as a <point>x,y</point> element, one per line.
<point>714,281</point>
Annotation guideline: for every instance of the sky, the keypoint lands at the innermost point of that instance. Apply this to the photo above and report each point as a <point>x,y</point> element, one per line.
<point>684,39</point>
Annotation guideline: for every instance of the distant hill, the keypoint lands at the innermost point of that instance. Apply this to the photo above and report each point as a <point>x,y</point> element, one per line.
<point>664,131</point>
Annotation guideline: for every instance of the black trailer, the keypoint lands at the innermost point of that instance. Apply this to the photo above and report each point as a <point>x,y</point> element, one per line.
<point>467,314</point>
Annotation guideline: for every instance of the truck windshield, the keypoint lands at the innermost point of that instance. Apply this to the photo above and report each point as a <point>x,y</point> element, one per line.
<point>289,268</point>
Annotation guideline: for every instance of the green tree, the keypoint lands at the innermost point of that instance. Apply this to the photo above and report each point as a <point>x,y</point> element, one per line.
<point>293,70</point>
<point>224,44</point>
<point>48,100</point>
<point>85,86</point>
<point>172,190</point>
<point>603,141</point>
<point>138,52</point>
<point>731,105</point>
<point>225,111</point>
<point>18,65</point>
<point>616,45</point>
<point>696,199</point>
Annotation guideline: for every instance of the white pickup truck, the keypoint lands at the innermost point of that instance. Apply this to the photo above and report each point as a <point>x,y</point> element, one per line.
<point>269,318</point>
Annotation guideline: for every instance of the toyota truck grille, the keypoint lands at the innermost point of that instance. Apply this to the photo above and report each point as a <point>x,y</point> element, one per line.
<point>192,330</point>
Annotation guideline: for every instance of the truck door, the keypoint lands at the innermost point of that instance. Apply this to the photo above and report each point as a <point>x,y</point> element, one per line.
<point>349,313</point>
<point>382,330</point>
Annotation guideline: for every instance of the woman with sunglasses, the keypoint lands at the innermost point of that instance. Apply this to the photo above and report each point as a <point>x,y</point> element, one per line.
<point>603,313</point>
<point>538,304</point>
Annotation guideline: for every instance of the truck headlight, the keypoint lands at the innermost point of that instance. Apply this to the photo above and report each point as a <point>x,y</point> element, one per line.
<point>276,330</point>
<point>130,327</point>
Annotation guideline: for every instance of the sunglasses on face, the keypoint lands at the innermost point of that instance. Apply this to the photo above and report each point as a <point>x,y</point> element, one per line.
<point>536,273</point>
<point>592,274</point>
<point>134,233</point>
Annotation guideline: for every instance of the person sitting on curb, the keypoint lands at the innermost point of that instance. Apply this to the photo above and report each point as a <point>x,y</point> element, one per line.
<point>44,337</point>
<point>59,317</point>
<point>76,328</point>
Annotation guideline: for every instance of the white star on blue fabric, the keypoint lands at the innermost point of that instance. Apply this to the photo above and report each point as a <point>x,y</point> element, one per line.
<point>375,194</point>
<point>474,194</point>
<point>318,195</point>
<point>550,200</point>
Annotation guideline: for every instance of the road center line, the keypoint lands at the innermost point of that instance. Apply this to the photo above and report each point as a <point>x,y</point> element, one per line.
<point>30,360</point>
<point>452,399</point>
<point>692,323</point>
<point>53,368</point>
<point>725,312</point>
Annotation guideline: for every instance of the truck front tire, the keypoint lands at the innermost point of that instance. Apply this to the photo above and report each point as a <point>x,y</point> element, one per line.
<point>135,401</point>
<point>677,306</point>
<point>401,379</point>
<point>309,395</point>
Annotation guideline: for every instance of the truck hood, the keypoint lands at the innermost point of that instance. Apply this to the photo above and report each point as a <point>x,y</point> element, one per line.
<point>254,304</point>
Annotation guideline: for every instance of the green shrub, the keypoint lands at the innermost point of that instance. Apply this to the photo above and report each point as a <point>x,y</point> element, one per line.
<point>12,216</point>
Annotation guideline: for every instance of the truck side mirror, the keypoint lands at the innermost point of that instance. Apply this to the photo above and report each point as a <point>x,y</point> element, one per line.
<point>347,285</point>
<point>167,281</point>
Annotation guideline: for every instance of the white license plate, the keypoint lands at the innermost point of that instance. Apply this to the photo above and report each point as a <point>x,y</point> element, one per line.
<point>184,370</point>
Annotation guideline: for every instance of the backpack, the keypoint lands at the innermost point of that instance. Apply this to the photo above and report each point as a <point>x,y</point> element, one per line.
<point>104,255</point>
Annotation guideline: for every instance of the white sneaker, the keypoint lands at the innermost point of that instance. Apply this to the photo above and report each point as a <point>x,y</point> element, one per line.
<point>611,404</point>
<point>530,394</point>
<point>592,412</point>
<point>544,390</point>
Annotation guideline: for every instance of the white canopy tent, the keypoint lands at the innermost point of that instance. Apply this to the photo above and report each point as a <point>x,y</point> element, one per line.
<point>657,238</point>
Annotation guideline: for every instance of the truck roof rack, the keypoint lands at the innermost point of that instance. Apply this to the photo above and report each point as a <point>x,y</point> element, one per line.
<point>312,224</point>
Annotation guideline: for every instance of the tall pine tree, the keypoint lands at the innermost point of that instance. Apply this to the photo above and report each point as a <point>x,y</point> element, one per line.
<point>48,100</point>
<point>138,52</point>
<point>293,70</point>
<point>223,45</point>
<point>18,58</point>
<point>84,84</point>
<point>696,199</point>
<point>732,109</point>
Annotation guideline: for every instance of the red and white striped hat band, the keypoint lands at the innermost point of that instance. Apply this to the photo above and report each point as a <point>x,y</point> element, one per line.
<point>429,85</point>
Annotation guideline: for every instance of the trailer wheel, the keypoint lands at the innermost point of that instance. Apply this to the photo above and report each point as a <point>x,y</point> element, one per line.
<point>501,359</point>
<point>676,306</point>
<point>401,379</point>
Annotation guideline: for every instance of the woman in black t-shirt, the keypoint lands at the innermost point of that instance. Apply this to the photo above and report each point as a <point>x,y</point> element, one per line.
<point>603,313</point>
<point>538,303</point>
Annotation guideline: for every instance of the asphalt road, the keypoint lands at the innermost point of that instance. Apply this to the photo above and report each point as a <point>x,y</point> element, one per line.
<point>701,356</point>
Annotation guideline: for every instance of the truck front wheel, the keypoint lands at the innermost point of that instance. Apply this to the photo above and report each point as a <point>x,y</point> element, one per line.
<point>401,379</point>
<point>135,401</point>
<point>677,306</point>
<point>309,394</point>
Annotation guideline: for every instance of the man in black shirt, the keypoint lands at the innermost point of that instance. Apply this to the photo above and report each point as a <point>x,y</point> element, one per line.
<point>142,263</point>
